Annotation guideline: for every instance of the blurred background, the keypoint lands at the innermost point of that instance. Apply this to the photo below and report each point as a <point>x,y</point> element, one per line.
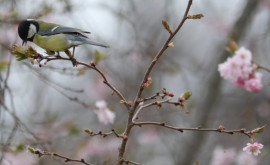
<point>38,106</point>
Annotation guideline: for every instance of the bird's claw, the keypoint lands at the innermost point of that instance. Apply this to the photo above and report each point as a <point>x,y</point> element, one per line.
<point>74,62</point>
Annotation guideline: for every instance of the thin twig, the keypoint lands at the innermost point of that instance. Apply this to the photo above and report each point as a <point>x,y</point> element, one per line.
<point>263,67</point>
<point>220,130</point>
<point>160,53</point>
<point>91,66</point>
<point>148,105</point>
<point>66,159</point>
<point>137,99</point>
<point>100,133</point>
<point>128,162</point>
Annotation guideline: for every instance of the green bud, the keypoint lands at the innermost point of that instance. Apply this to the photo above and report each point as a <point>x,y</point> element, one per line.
<point>195,16</point>
<point>88,131</point>
<point>185,96</point>
<point>232,46</point>
<point>31,150</point>
<point>258,130</point>
<point>166,26</point>
<point>99,56</point>
<point>19,52</point>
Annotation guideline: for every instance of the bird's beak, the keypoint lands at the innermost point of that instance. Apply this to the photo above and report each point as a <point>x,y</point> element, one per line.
<point>24,42</point>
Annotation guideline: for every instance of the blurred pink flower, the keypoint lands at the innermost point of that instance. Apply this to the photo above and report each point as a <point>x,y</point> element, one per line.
<point>253,148</point>
<point>105,115</point>
<point>52,131</point>
<point>246,159</point>
<point>223,156</point>
<point>240,71</point>
<point>243,56</point>
<point>254,84</point>
<point>240,82</point>
<point>149,137</point>
<point>19,158</point>
<point>99,147</point>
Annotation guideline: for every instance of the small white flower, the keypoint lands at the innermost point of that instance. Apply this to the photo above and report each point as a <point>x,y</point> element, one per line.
<point>253,148</point>
<point>101,104</point>
<point>243,56</point>
<point>105,115</point>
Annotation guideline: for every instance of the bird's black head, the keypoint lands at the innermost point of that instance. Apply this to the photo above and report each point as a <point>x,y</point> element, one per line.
<point>27,30</point>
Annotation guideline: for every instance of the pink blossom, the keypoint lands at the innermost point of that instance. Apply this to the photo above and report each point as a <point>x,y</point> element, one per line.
<point>99,147</point>
<point>240,71</point>
<point>105,115</point>
<point>253,148</point>
<point>223,156</point>
<point>149,137</point>
<point>230,70</point>
<point>246,159</point>
<point>243,56</point>
<point>240,82</point>
<point>19,158</point>
<point>254,84</point>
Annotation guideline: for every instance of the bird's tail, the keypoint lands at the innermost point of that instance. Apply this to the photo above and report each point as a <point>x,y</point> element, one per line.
<point>81,40</point>
<point>87,41</point>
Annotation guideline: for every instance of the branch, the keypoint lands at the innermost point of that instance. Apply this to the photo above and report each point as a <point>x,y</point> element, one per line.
<point>31,54</point>
<point>137,100</point>
<point>158,103</point>
<point>46,153</point>
<point>221,129</point>
<point>128,162</point>
<point>100,133</point>
<point>160,53</point>
<point>263,67</point>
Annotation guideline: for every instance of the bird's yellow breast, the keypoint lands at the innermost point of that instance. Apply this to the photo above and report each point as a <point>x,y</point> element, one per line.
<point>56,42</point>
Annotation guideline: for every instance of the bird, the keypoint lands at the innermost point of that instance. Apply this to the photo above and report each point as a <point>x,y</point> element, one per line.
<point>53,37</point>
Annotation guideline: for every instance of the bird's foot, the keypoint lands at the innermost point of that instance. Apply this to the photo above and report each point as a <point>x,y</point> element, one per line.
<point>49,52</point>
<point>74,62</point>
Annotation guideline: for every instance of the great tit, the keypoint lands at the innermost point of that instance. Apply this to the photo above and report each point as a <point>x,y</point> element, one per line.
<point>52,37</point>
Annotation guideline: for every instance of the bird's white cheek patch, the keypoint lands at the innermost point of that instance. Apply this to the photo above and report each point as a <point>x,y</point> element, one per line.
<point>32,31</point>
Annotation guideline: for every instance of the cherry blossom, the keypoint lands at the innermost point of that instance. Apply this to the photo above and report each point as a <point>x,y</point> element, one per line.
<point>253,148</point>
<point>105,115</point>
<point>241,71</point>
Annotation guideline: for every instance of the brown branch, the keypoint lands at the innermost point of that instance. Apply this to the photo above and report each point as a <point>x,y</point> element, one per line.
<point>160,53</point>
<point>66,159</point>
<point>128,162</point>
<point>40,57</point>
<point>158,103</point>
<point>263,67</point>
<point>221,129</point>
<point>100,133</point>
<point>129,124</point>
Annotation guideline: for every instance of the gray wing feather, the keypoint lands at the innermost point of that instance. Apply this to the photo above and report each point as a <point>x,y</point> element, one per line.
<point>80,40</point>
<point>64,30</point>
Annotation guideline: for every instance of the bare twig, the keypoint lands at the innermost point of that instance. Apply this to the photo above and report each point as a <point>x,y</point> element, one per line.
<point>158,103</point>
<point>128,162</point>
<point>40,57</point>
<point>263,67</point>
<point>137,100</point>
<point>66,159</point>
<point>160,53</point>
<point>221,129</point>
<point>100,133</point>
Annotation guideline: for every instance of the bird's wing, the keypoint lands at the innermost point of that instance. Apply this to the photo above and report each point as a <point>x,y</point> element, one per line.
<point>80,40</point>
<point>58,29</point>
